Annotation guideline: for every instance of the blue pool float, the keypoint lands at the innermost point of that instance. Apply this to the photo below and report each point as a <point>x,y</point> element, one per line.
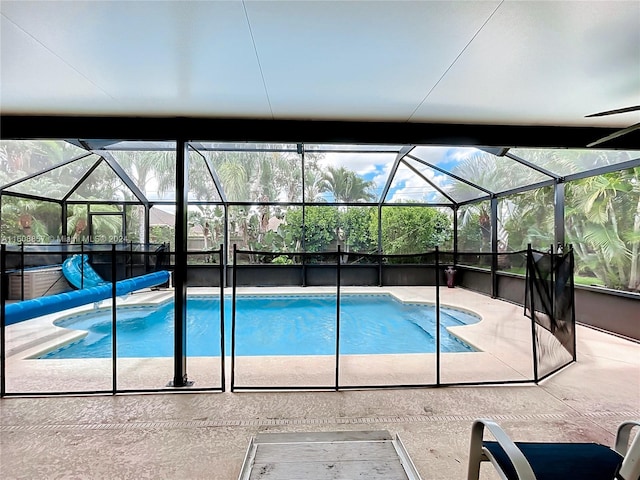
<point>36,307</point>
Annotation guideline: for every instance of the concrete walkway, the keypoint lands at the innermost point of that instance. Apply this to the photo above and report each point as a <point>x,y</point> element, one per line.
<point>192,436</point>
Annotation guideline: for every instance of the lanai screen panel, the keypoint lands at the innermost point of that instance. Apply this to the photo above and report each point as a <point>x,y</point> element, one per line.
<point>206,228</point>
<point>526,218</point>
<point>162,225</point>
<point>414,229</point>
<point>77,225</point>
<point>446,242</point>
<point>348,177</point>
<point>134,217</point>
<point>151,166</point>
<point>359,229</point>
<point>570,161</point>
<point>254,173</point>
<point>456,191</point>
<point>260,227</point>
<point>30,221</point>
<point>20,158</point>
<point>496,174</point>
<point>102,184</point>
<point>55,184</point>
<point>474,227</point>
<point>601,222</point>
<point>279,229</point>
<point>322,229</point>
<point>408,187</point>
<point>201,184</point>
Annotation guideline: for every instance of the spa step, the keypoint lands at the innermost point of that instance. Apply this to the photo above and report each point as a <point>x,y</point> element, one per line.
<point>327,455</point>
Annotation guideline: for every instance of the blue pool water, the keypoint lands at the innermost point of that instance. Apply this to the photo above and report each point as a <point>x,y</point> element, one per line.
<point>270,325</point>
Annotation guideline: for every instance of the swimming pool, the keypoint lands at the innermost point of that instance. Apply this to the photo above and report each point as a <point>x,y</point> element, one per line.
<point>270,325</point>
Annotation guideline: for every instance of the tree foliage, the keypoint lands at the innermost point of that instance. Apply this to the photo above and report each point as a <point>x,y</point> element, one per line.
<point>602,213</point>
<point>410,229</point>
<point>320,227</point>
<point>356,225</point>
<point>603,224</point>
<point>346,186</point>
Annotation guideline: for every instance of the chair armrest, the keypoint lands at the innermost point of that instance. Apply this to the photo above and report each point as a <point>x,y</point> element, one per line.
<point>630,468</point>
<point>520,463</point>
<point>622,436</point>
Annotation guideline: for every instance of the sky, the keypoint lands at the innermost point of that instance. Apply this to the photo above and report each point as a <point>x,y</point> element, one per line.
<point>406,185</point>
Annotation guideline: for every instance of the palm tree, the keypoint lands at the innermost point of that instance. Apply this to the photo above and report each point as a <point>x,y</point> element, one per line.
<point>346,186</point>
<point>482,169</point>
<point>603,224</point>
<point>146,168</point>
<point>287,175</point>
<point>233,176</point>
<point>256,177</point>
<point>313,184</point>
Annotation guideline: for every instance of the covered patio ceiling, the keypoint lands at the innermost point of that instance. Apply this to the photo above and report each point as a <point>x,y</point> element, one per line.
<point>491,73</point>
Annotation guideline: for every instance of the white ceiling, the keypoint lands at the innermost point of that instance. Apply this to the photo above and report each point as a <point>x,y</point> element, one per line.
<point>483,62</point>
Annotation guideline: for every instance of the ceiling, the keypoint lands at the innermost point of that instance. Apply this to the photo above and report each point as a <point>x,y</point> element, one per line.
<point>472,62</point>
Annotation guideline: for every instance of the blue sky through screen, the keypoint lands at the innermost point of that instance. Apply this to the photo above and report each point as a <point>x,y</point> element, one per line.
<point>406,186</point>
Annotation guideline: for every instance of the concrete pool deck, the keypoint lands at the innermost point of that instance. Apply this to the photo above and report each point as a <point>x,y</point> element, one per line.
<point>205,435</point>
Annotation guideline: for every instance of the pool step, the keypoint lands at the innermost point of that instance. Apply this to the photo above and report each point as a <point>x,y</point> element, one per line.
<point>327,455</point>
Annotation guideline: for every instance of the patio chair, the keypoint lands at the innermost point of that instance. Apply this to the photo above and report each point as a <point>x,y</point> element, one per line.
<point>552,461</point>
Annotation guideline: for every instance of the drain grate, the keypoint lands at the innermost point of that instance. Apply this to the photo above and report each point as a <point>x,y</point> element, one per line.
<point>308,421</point>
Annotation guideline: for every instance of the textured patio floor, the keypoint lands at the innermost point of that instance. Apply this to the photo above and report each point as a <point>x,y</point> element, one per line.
<point>205,435</point>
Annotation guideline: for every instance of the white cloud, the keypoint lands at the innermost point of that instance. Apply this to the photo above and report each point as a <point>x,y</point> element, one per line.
<point>462,153</point>
<point>437,155</point>
<point>361,163</point>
